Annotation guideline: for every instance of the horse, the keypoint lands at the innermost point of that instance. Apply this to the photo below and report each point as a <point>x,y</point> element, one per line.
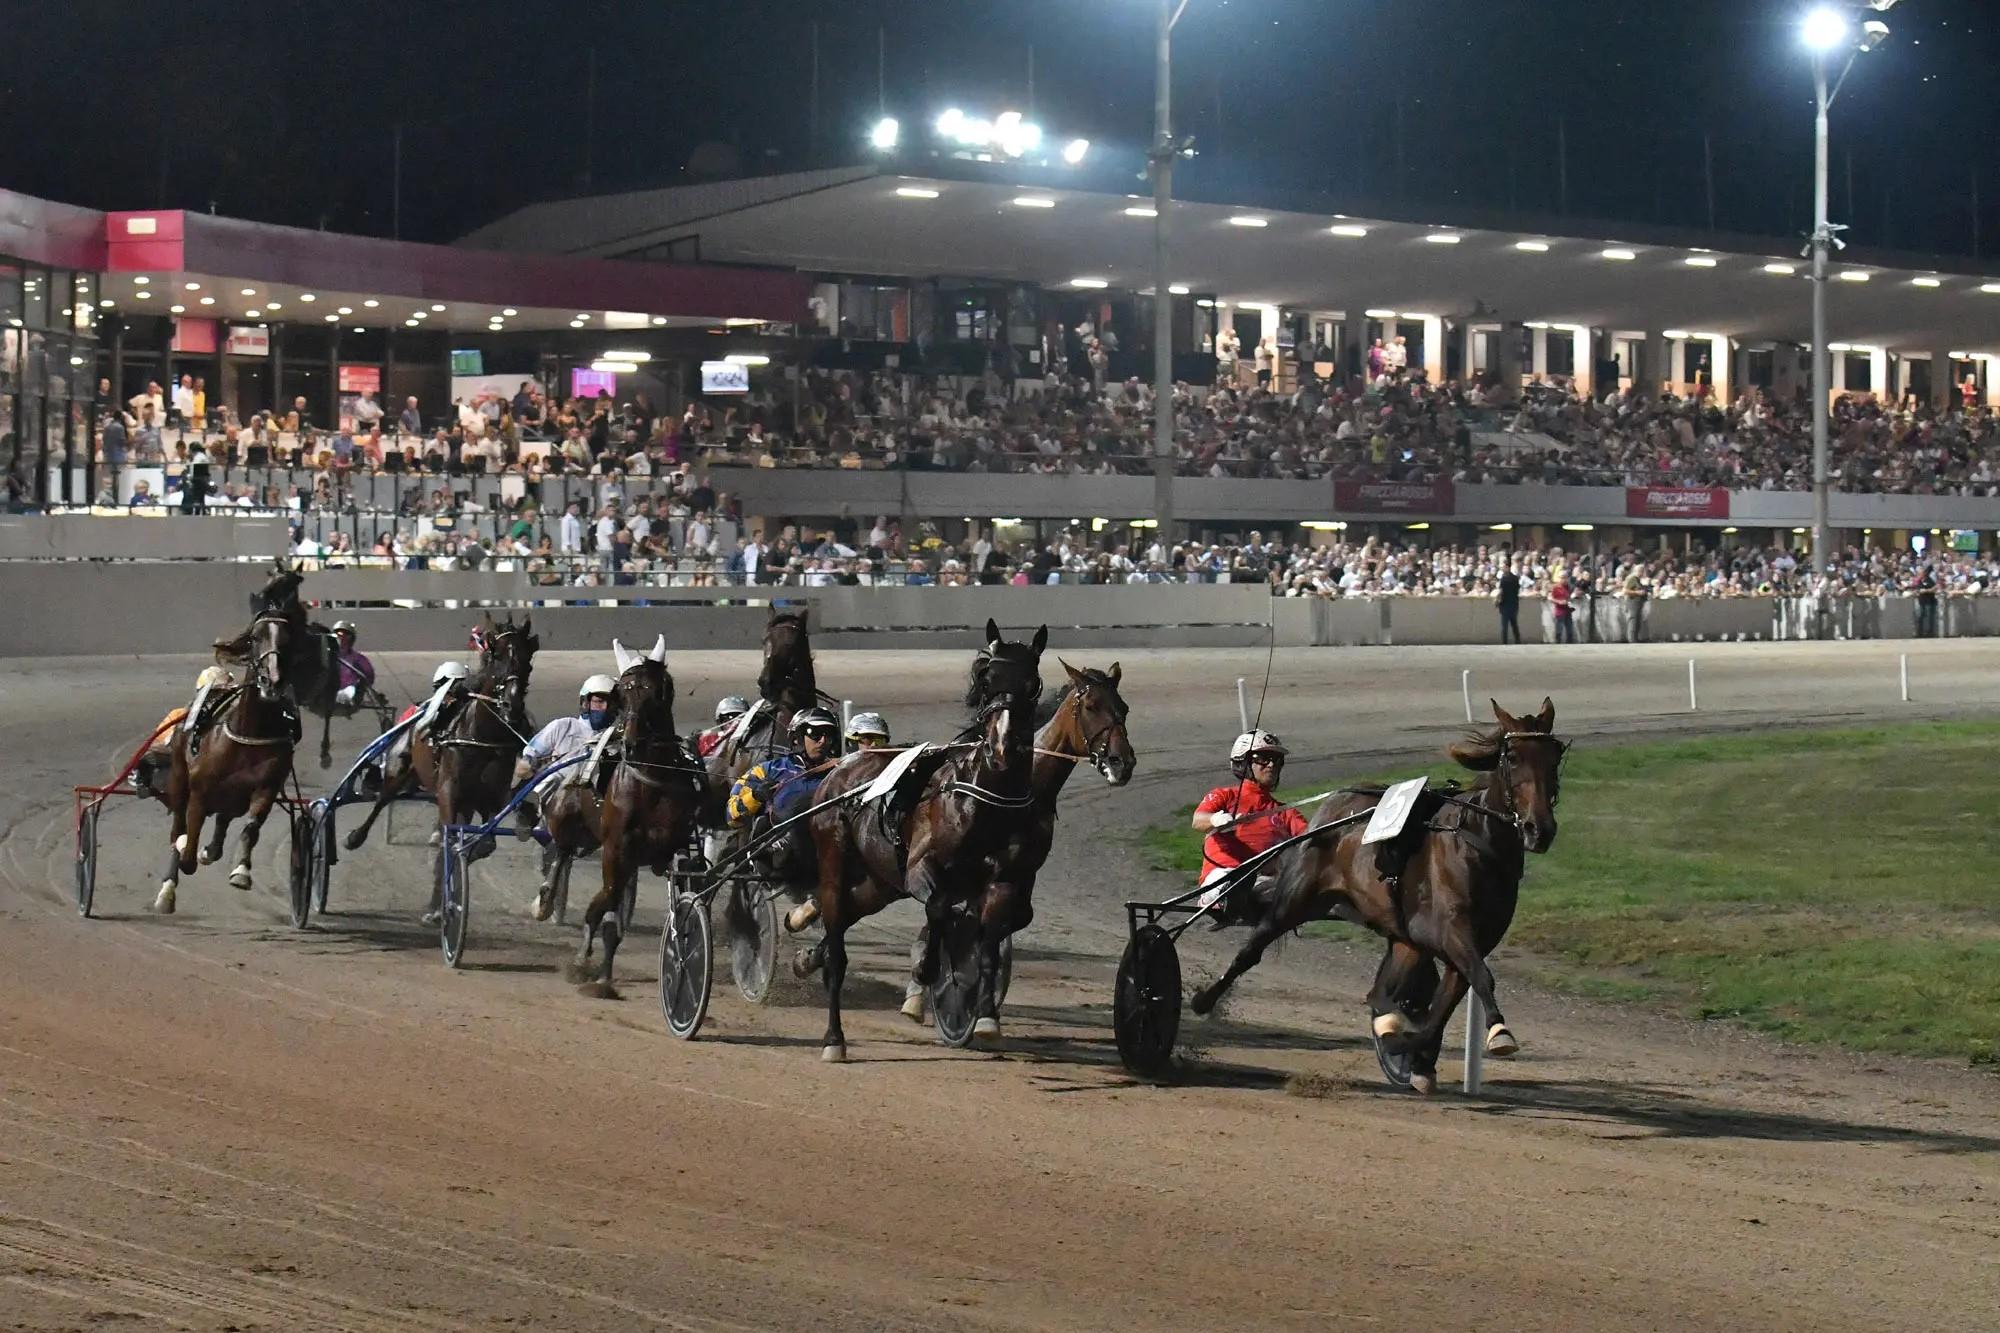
<point>971,799</point>
<point>468,764</point>
<point>785,685</point>
<point>649,809</point>
<point>1086,722</point>
<point>571,814</point>
<point>1451,900</point>
<point>242,767</point>
<point>311,653</point>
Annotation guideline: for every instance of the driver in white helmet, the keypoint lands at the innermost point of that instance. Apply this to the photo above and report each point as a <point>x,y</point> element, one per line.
<point>726,712</point>
<point>1244,818</point>
<point>448,686</point>
<point>868,731</point>
<point>564,739</point>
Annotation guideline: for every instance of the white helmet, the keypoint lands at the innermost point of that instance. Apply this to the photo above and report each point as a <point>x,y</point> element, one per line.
<point>449,671</point>
<point>598,684</point>
<point>1255,742</point>
<point>734,705</point>
<point>867,724</point>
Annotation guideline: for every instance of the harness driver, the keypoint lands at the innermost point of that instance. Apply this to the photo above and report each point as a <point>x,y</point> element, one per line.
<point>146,777</point>
<point>775,789</point>
<point>357,673</point>
<point>726,712</point>
<point>1244,818</point>
<point>868,731</point>
<point>564,739</point>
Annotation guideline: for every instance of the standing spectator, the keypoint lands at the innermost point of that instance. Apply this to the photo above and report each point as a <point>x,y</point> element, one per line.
<point>183,402</point>
<point>1927,603</point>
<point>200,403</point>
<point>1267,360</point>
<point>1228,350</point>
<point>1377,360</point>
<point>1560,603</point>
<point>1396,358</point>
<point>149,401</point>
<point>570,538</point>
<point>1635,593</point>
<point>1509,601</point>
<point>114,444</point>
<point>367,413</point>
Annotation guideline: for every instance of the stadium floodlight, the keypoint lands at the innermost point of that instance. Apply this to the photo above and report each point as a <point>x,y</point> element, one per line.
<point>607,367</point>
<point>1015,136</point>
<point>948,123</point>
<point>747,359</point>
<point>1824,28</point>
<point>883,137</point>
<point>1073,151</point>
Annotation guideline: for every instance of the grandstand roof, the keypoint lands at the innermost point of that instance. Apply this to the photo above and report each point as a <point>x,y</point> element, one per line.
<point>854,221</point>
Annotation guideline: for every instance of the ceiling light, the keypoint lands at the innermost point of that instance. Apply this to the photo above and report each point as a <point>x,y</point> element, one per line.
<point>1088,282</point>
<point>1700,261</point>
<point>248,291</point>
<point>1782,270</point>
<point>510,312</point>
<point>1444,238</point>
<point>1176,289</point>
<point>1379,314</point>
<point>1675,334</point>
<point>1205,303</point>
<point>1074,150</point>
<point>193,287</point>
<point>1248,220</point>
<point>1033,201</point>
<point>1620,254</point>
<point>1536,324</point>
<point>347,310</point>
<point>172,309</point>
<point>1142,211</point>
<point>583,314</point>
<point>274,305</point>
<point>1414,315</point>
<point>1840,347</point>
<point>333,319</point>
<point>1533,247</point>
<point>916,192</point>
<point>1926,282</point>
<point>1501,527</point>
<point>143,294</point>
<point>747,359</point>
<point>253,314</point>
<point>307,297</point>
<point>1988,287</point>
<point>1348,229</point>
<point>359,329</point>
<point>371,303</point>
<point>438,308</point>
<point>1578,527</point>
<point>576,323</point>
<point>636,358</point>
<point>107,303</point>
<point>208,300</point>
<point>141,281</point>
<point>1856,275</point>
<point>659,320</point>
<point>420,314</point>
<point>409,323</point>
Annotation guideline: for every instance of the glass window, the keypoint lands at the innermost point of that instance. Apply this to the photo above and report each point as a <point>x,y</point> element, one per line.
<point>10,294</point>
<point>35,298</point>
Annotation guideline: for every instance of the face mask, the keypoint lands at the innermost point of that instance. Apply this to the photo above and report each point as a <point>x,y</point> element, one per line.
<point>598,718</point>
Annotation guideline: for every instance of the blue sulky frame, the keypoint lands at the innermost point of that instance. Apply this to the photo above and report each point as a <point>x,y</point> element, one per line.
<point>454,860</point>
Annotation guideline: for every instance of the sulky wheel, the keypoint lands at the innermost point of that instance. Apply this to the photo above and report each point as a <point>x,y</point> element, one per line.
<point>685,972</point>
<point>753,938</point>
<point>304,846</point>
<point>454,900</point>
<point>322,859</point>
<point>1146,1007</point>
<point>86,859</point>
<point>955,993</point>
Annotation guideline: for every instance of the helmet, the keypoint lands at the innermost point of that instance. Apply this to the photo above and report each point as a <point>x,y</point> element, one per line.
<point>809,719</point>
<point>867,724</point>
<point>598,684</point>
<point>343,627</point>
<point>734,705</point>
<point>1255,743</point>
<point>449,671</point>
<point>214,675</point>
<point>476,640</point>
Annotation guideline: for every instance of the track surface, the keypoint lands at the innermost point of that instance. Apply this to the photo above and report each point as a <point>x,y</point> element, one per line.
<point>216,1122</point>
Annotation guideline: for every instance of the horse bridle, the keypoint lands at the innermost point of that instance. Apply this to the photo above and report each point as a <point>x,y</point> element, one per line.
<point>638,766</point>
<point>1516,817</point>
<point>274,651</point>
<point>496,704</point>
<point>1097,747</point>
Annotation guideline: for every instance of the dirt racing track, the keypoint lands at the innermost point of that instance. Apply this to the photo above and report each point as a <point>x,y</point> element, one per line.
<point>215,1121</point>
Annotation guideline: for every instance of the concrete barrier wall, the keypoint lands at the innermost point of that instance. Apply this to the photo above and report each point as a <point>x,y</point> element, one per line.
<point>165,537</point>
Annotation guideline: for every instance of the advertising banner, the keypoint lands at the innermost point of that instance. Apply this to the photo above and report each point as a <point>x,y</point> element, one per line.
<point>1676,502</point>
<point>1393,497</point>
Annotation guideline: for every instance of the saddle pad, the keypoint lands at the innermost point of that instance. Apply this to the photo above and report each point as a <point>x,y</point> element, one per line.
<point>586,773</point>
<point>885,781</point>
<point>1393,811</point>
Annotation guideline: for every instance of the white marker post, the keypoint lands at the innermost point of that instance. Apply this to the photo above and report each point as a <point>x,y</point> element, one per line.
<point>1694,705</point>
<point>1906,677</point>
<point>846,720</point>
<point>1242,705</point>
<point>1465,688</point>
<point>1475,1043</point>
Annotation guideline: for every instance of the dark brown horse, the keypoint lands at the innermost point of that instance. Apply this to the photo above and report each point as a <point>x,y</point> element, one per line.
<point>572,814</point>
<point>785,684</point>
<point>244,760</point>
<point>468,764</point>
<point>649,808</point>
<point>311,654</point>
<point>1086,723</point>
<point>1451,899</point>
<point>944,844</point>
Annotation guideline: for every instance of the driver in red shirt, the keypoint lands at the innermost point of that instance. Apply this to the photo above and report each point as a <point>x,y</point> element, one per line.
<point>1244,818</point>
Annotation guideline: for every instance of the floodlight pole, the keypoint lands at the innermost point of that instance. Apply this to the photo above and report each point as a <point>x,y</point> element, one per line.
<point>1822,237</point>
<point>1162,162</point>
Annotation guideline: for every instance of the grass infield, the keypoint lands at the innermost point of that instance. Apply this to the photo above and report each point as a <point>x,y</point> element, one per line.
<point>1835,886</point>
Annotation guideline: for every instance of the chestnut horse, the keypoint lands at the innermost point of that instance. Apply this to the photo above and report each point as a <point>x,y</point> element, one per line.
<point>941,848</point>
<point>244,761</point>
<point>649,808</point>
<point>1452,898</point>
<point>468,764</point>
<point>785,685</point>
<point>1086,723</point>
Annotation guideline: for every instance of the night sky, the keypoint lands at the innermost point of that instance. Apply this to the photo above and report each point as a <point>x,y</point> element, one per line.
<point>285,110</point>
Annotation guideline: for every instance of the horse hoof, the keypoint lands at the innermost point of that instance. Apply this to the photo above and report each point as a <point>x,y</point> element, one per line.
<point>353,840</point>
<point>239,878</point>
<point>913,1008</point>
<point>834,1055</point>
<point>987,1029</point>
<point>181,844</point>
<point>164,903</point>
<point>802,964</point>
<point>1423,1084</point>
<point>207,857</point>
<point>437,837</point>
<point>1391,1023</point>
<point>540,909</point>
<point>1500,1043</point>
<point>430,919</point>
<point>801,916</point>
